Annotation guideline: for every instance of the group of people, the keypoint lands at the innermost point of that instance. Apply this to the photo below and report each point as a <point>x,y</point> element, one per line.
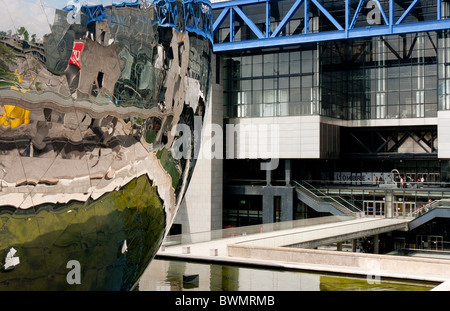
<point>424,208</point>
<point>418,183</point>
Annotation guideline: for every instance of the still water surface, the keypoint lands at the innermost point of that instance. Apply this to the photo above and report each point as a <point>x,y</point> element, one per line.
<point>167,275</point>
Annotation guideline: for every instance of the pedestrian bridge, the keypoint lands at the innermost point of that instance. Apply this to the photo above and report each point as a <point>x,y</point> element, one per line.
<point>265,246</point>
<point>304,233</point>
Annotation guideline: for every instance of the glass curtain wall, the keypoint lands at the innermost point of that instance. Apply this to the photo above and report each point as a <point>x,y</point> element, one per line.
<point>374,78</point>
<point>380,78</point>
<point>400,76</point>
<point>280,83</point>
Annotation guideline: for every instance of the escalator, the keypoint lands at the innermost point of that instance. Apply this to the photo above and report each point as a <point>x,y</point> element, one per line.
<point>322,202</point>
<point>435,209</point>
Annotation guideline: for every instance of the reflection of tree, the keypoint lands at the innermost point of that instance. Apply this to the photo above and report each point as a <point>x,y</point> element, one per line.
<point>7,58</point>
<point>26,36</point>
<point>23,32</point>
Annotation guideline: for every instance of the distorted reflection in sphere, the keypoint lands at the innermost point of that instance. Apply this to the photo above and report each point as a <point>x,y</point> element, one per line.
<point>90,178</point>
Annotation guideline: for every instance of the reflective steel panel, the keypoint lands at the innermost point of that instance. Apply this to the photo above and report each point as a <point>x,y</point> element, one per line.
<point>92,166</point>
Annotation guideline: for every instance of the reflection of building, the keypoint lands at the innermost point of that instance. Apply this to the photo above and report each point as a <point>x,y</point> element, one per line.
<point>89,174</point>
<point>354,102</point>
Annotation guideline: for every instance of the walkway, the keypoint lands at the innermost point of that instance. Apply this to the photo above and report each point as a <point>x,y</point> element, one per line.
<point>304,237</point>
<point>263,249</point>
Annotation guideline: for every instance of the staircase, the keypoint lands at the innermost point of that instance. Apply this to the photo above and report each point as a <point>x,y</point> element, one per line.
<point>322,202</point>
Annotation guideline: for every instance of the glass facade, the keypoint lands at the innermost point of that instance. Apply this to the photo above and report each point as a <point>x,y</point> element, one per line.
<point>387,78</point>
<point>444,71</point>
<point>280,83</point>
<point>380,78</point>
<point>390,77</point>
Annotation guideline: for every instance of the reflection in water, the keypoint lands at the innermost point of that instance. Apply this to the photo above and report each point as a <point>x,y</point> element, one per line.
<point>167,275</point>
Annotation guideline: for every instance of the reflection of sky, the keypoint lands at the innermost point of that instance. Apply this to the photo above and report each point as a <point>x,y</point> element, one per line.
<point>29,14</point>
<point>36,15</point>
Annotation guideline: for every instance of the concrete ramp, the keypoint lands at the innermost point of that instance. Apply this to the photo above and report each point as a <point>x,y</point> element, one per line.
<point>314,236</point>
<point>304,236</point>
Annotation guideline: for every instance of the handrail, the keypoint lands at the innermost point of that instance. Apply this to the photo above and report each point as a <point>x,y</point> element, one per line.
<point>234,232</point>
<point>333,198</point>
<point>429,207</point>
<point>323,195</point>
<point>427,186</point>
<point>334,202</point>
<point>418,185</point>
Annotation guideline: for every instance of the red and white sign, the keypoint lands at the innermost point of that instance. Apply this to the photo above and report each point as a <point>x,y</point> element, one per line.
<point>76,53</point>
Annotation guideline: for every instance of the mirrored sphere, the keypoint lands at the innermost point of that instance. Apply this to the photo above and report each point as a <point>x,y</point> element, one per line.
<point>93,164</point>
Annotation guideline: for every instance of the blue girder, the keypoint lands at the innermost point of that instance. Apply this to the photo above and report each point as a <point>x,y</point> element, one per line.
<point>344,29</point>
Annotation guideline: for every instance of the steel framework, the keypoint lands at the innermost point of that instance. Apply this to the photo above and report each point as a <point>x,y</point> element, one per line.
<point>386,142</point>
<point>345,28</point>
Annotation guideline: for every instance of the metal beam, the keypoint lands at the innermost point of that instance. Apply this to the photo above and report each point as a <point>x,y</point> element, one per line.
<point>328,15</point>
<point>360,143</point>
<point>232,25</point>
<point>381,30</point>
<point>220,19</point>
<point>249,23</point>
<point>287,18</point>
<point>382,12</point>
<point>348,31</point>
<point>268,15</point>
<point>355,16</point>
<point>407,12</point>
<point>225,4</point>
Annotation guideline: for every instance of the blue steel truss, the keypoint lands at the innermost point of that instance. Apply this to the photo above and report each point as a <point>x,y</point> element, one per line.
<point>196,15</point>
<point>344,29</point>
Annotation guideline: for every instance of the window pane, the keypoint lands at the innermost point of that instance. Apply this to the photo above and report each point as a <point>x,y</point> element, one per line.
<point>257,65</point>
<point>307,81</point>
<point>283,83</point>
<point>270,67</point>
<point>294,95</point>
<point>283,63</point>
<point>246,85</point>
<point>307,65</point>
<point>268,110</point>
<point>257,97</point>
<point>269,96</point>
<point>257,84</point>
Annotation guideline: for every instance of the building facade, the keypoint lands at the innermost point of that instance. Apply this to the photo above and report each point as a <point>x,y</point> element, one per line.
<point>350,95</point>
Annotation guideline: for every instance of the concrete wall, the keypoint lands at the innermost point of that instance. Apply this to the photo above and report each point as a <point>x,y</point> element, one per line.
<point>300,136</point>
<point>201,208</point>
<point>348,262</point>
<point>280,137</point>
<point>444,134</point>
